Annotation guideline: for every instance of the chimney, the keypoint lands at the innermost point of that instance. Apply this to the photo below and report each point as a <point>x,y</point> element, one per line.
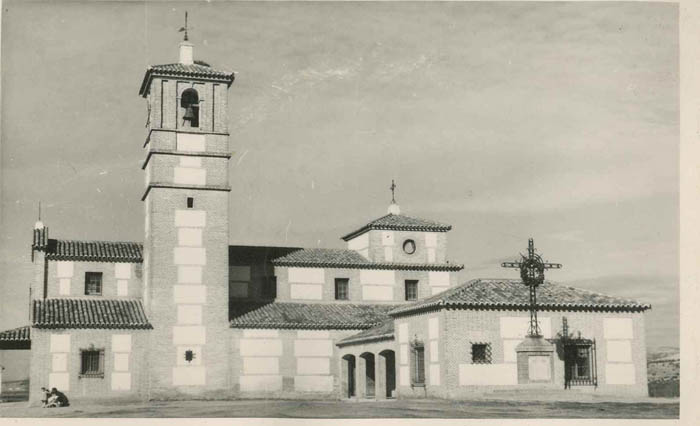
<point>186,53</point>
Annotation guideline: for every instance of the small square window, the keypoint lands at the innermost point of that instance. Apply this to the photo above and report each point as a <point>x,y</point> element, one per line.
<point>93,283</point>
<point>481,353</point>
<point>92,363</point>
<point>341,289</point>
<point>189,355</point>
<point>190,202</point>
<point>411,289</point>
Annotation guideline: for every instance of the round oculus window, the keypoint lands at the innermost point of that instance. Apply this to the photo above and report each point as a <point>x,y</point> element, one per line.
<point>409,246</point>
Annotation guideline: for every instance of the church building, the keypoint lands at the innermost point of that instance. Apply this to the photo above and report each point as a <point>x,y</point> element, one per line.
<point>184,313</point>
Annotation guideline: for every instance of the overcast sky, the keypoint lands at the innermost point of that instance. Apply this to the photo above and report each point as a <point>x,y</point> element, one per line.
<point>552,120</point>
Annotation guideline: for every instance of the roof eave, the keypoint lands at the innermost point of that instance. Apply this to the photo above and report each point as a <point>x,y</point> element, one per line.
<point>301,326</point>
<point>368,339</point>
<point>400,266</point>
<point>403,311</point>
<point>152,72</point>
<point>368,228</point>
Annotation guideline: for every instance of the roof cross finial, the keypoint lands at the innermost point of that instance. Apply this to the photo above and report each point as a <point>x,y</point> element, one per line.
<point>185,28</point>
<point>393,207</point>
<point>39,210</point>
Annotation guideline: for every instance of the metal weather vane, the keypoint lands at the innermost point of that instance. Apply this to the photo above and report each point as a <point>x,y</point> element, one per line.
<point>185,28</point>
<point>532,269</point>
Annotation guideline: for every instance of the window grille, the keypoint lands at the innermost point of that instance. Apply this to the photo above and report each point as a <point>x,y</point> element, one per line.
<point>92,363</point>
<point>341,289</point>
<point>580,363</point>
<point>93,283</point>
<point>418,376</point>
<point>481,353</point>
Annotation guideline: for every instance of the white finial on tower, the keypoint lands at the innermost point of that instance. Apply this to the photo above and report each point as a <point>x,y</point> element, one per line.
<point>186,48</point>
<point>39,224</point>
<point>393,207</point>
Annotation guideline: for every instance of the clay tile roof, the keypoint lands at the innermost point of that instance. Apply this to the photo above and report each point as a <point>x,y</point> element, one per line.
<point>20,334</point>
<point>17,338</point>
<point>384,331</point>
<point>102,251</point>
<point>399,222</point>
<point>89,313</point>
<point>336,316</point>
<point>344,258</point>
<point>196,70</point>
<point>512,294</point>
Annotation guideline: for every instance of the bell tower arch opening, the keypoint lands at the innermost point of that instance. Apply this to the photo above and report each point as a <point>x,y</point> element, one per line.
<point>189,102</point>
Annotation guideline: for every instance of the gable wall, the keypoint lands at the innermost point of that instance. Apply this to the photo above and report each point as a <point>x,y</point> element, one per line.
<point>365,285</point>
<point>387,246</point>
<point>67,279</point>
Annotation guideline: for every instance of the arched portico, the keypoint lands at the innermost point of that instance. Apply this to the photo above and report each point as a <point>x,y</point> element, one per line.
<point>367,375</point>
<point>387,374</point>
<point>349,371</point>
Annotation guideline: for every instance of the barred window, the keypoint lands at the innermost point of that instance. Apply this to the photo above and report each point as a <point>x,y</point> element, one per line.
<point>418,370</point>
<point>341,289</point>
<point>582,362</point>
<point>481,353</point>
<point>92,363</point>
<point>411,289</point>
<point>93,283</point>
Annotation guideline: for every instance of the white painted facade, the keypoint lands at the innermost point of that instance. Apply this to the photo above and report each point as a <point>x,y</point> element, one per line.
<point>190,142</point>
<point>260,352</point>
<point>488,374</point>
<point>619,367</point>
<point>120,379</point>
<point>60,348</point>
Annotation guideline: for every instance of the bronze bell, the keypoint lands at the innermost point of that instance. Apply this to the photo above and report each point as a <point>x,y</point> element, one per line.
<point>189,113</point>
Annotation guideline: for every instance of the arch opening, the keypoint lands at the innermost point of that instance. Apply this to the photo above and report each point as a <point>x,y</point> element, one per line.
<point>388,359</point>
<point>349,367</point>
<point>189,102</point>
<point>369,374</point>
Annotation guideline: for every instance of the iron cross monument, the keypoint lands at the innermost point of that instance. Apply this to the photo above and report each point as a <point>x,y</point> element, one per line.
<point>532,273</point>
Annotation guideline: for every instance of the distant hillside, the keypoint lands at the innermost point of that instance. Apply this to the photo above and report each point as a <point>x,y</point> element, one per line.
<point>663,371</point>
<point>17,390</point>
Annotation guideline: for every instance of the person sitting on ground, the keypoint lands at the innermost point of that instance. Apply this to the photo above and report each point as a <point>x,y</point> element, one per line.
<point>51,400</point>
<point>61,400</point>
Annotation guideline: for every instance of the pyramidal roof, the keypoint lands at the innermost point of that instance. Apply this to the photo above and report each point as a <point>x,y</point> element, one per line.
<point>197,70</point>
<point>399,222</point>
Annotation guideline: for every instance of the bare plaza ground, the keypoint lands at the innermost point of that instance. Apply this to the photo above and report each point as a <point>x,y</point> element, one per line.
<point>666,408</point>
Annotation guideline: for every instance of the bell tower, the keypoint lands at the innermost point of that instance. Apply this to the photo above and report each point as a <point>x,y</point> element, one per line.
<point>186,229</point>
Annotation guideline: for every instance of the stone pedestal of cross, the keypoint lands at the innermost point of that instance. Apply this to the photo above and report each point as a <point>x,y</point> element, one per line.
<point>535,355</point>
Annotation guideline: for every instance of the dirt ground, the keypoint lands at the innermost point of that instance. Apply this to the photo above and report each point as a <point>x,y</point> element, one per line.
<point>668,409</point>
